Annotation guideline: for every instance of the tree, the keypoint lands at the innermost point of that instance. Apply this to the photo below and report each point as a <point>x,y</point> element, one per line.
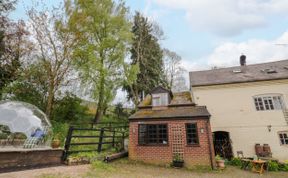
<point>119,110</point>
<point>14,45</point>
<point>53,48</point>
<point>103,37</point>
<point>173,70</point>
<point>147,54</point>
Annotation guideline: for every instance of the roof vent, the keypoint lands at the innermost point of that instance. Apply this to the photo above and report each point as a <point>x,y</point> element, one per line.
<point>236,71</point>
<point>243,60</point>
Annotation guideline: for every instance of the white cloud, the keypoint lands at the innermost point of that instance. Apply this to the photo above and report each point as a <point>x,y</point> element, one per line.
<point>227,17</point>
<point>257,51</point>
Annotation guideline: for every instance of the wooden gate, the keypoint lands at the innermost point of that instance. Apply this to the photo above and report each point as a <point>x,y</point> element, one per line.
<point>93,139</point>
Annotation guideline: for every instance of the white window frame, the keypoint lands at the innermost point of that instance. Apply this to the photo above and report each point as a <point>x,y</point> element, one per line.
<point>160,99</point>
<point>283,138</point>
<point>269,102</point>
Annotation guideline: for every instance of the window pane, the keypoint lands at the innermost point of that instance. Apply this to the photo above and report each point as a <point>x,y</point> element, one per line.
<point>283,138</point>
<point>142,134</point>
<point>192,135</point>
<point>153,134</point>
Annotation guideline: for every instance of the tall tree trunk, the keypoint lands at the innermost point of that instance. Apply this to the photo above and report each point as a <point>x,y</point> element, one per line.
<point>50,100</point>
<point>100,105</point>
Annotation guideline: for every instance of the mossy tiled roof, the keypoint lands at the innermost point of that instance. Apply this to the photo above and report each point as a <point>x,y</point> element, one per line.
<point>181,106</point>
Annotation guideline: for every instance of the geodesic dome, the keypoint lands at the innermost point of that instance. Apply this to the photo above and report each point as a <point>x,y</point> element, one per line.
<point>21,117</point>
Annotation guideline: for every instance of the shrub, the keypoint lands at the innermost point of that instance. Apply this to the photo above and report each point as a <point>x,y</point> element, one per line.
<point>218,157</point>
<point>235,162</point>
<point>3,135</point>
<point>69,109</point>
<point>283,167</point>
<point>273,166</point>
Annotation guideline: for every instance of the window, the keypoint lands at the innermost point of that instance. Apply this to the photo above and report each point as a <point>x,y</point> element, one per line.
<point>160,99</point>
<point>283,138</point>
<point>192,134</point>
<point>268,103</point>
<point>154,134</point>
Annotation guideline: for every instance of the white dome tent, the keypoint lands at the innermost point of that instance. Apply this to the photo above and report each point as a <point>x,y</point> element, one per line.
<point>21,117</point>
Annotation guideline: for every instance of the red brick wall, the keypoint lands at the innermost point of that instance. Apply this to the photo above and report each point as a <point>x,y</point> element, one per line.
<point>193,155</point>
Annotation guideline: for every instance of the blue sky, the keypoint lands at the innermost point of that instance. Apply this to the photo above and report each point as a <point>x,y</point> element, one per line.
<point>209,33</point>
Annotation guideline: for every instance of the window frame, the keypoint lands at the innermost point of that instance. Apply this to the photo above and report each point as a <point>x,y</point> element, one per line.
<point>162,99</point>
<point>269,102</point>
<point>197,134</point>
<point>146,136</point>
<point>285,139</point>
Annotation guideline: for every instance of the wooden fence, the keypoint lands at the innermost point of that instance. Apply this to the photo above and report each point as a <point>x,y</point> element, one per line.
<point>94,138</point>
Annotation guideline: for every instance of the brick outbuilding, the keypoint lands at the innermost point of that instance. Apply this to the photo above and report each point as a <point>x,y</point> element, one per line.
<point>169,124</point>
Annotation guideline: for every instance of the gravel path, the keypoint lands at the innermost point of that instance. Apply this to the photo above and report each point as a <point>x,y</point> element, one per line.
<point>61,171</point>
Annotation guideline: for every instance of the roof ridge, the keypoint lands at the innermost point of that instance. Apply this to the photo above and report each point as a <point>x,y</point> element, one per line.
<point>225,68</point>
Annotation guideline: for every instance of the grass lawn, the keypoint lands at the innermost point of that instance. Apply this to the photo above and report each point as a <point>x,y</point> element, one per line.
<point>127,169</point>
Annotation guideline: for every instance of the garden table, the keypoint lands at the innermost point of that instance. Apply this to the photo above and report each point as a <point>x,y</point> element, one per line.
<point>258,166</point>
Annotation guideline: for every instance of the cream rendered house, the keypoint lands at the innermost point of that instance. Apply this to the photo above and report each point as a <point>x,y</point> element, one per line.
<point>248,105</point>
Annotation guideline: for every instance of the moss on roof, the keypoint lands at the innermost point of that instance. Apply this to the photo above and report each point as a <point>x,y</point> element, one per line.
<point>178,98</point>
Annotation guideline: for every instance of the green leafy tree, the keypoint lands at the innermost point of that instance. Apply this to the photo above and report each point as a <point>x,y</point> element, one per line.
<point>69,109</point>
<point>13,44</point>
<point>103,37</point>
<point>147,54</point>
<point>31,86</point>
<point>53,49</point>
<point>119,111</point>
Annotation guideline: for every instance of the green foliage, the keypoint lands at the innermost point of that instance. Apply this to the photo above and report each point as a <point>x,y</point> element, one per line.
<point>3,136</point>
<point>273,166</point>
<point>235,162</point>
<point>70,110</point>
<point>283,167</point>
<point>26,92</point>
<point>120,112</point>
<point>177,157</point>
<point>102,166</point>
<point>60,130</point>
<point>12,39</point>
<point>102,41</point>
<point>218,157</point>
<point>147,54</point>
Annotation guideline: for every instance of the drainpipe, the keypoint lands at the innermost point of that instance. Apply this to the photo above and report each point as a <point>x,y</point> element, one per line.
<point>209,141</point>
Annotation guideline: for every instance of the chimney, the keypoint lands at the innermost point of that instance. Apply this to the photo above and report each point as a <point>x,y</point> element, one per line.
<point>242,60</point>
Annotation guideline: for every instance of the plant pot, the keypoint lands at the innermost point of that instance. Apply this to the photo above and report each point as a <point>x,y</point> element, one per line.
<point>220,164</point>
<point>178,164</point>
<point>55,143</point>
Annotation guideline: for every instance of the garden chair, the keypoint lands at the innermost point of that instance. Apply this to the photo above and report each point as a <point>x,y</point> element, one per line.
<point>35,141</point>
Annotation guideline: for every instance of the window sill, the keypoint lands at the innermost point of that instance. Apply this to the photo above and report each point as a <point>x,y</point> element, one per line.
<point>190,145</point>
<point>160,145</point>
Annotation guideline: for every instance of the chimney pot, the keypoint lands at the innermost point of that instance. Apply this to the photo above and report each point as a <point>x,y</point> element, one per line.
<point>243,60</point>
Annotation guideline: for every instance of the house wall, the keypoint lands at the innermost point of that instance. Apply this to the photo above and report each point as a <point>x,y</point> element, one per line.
<point>233,110</point>
<point>193,155</point>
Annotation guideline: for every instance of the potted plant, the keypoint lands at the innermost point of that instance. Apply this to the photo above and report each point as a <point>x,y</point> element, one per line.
<point>56,141</point>
<point>220,162</point>
<point>178,162</point>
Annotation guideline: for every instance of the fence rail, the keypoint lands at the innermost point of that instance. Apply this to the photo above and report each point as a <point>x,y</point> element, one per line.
<point>110,135</point>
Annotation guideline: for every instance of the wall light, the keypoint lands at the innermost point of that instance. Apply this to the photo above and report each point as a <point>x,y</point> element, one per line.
<point>269,127</point>
<point>202,130</point>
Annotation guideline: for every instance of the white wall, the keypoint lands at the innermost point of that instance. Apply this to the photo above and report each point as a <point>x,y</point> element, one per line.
<point>233,110</point>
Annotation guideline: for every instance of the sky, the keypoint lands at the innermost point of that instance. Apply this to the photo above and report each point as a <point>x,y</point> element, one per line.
<point>209,33</point>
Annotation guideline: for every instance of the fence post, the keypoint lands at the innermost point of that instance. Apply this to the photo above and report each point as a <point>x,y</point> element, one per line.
<point>113,139</point>
<point>100,140</point>
<point>123,138</point>
<point>67,143</point>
